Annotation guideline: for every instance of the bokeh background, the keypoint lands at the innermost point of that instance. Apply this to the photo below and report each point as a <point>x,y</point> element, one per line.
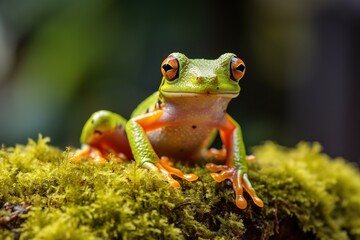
<point>61,60</point>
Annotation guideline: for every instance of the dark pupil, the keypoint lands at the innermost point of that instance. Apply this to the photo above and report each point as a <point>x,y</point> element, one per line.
<point>167,67</point>
<point>241,68</point>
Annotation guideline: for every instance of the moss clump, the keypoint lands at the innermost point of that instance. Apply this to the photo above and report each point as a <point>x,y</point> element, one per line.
<point>306,195</point>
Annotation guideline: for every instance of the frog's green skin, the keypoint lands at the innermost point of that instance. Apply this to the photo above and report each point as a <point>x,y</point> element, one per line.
<point>180,121</point>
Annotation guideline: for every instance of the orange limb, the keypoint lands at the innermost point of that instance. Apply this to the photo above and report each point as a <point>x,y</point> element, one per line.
<point>80,155</point>
<point>236,163</point>
<point>89,152</point>
<point>239,180</point>
<point>150,121</point>
<point>165,167</point>
<point>97,155</point>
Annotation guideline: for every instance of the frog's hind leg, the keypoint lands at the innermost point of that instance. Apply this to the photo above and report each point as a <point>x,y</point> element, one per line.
<point>104,135</point>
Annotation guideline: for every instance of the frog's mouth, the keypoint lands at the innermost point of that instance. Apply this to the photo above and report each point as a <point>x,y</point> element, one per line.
<point>196,94</point>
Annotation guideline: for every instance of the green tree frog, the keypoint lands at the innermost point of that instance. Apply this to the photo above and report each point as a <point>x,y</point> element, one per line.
<point>179,121</point>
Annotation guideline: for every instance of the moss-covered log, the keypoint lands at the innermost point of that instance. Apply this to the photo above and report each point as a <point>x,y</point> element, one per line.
<point>307,195</point>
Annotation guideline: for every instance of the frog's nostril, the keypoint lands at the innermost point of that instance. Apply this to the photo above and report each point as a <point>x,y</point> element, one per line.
<point>206,79</point>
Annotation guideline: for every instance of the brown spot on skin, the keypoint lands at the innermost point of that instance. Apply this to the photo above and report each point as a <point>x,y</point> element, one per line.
<point>194,126</point>
<point>158,104</point>
<point>98,132</point>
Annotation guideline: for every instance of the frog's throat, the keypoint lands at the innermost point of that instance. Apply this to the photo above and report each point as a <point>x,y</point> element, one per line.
<point>194,94</point>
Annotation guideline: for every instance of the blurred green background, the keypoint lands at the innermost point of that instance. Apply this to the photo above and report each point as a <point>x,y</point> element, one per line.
<point>61,60</point>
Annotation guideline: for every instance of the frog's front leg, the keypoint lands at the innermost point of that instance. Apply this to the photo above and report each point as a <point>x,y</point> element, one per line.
<point>235,168</point>
<point>143,151</point>
<point>104,134</point>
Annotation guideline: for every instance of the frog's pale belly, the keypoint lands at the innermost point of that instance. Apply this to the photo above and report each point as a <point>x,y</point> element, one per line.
<point>189,123</point>
<point>179,141</point>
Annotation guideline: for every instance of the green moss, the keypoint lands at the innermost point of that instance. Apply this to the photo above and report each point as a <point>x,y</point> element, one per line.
<point>306,195</point>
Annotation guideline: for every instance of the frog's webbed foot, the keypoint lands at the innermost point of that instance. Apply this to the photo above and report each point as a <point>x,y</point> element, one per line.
<point>220,154</point>
<point>96,155</point>
<point>239,180</point>
<point>165,166</point>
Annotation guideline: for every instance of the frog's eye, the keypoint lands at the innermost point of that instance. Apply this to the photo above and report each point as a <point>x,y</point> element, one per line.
<point>237,68</point>
<point>170,68</point>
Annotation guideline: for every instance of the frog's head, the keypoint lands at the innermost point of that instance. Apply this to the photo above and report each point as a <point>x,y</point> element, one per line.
<point>190,77</point>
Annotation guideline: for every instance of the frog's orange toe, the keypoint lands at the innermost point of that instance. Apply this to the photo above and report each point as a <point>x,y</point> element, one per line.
<point>165,167</point>
<point>257,201</point>
<point>76,158</point>
<point>239,180</point>
<point>215,168</point>
<point>222,176</point>
<point>250,190</point>
<point>190,177</point>
<point>241,202</point>
<point>174,183</point>
<point>89,152</point>
<point>83,153</point>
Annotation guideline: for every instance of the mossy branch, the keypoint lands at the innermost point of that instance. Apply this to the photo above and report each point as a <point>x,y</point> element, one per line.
<point>306,195</point>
